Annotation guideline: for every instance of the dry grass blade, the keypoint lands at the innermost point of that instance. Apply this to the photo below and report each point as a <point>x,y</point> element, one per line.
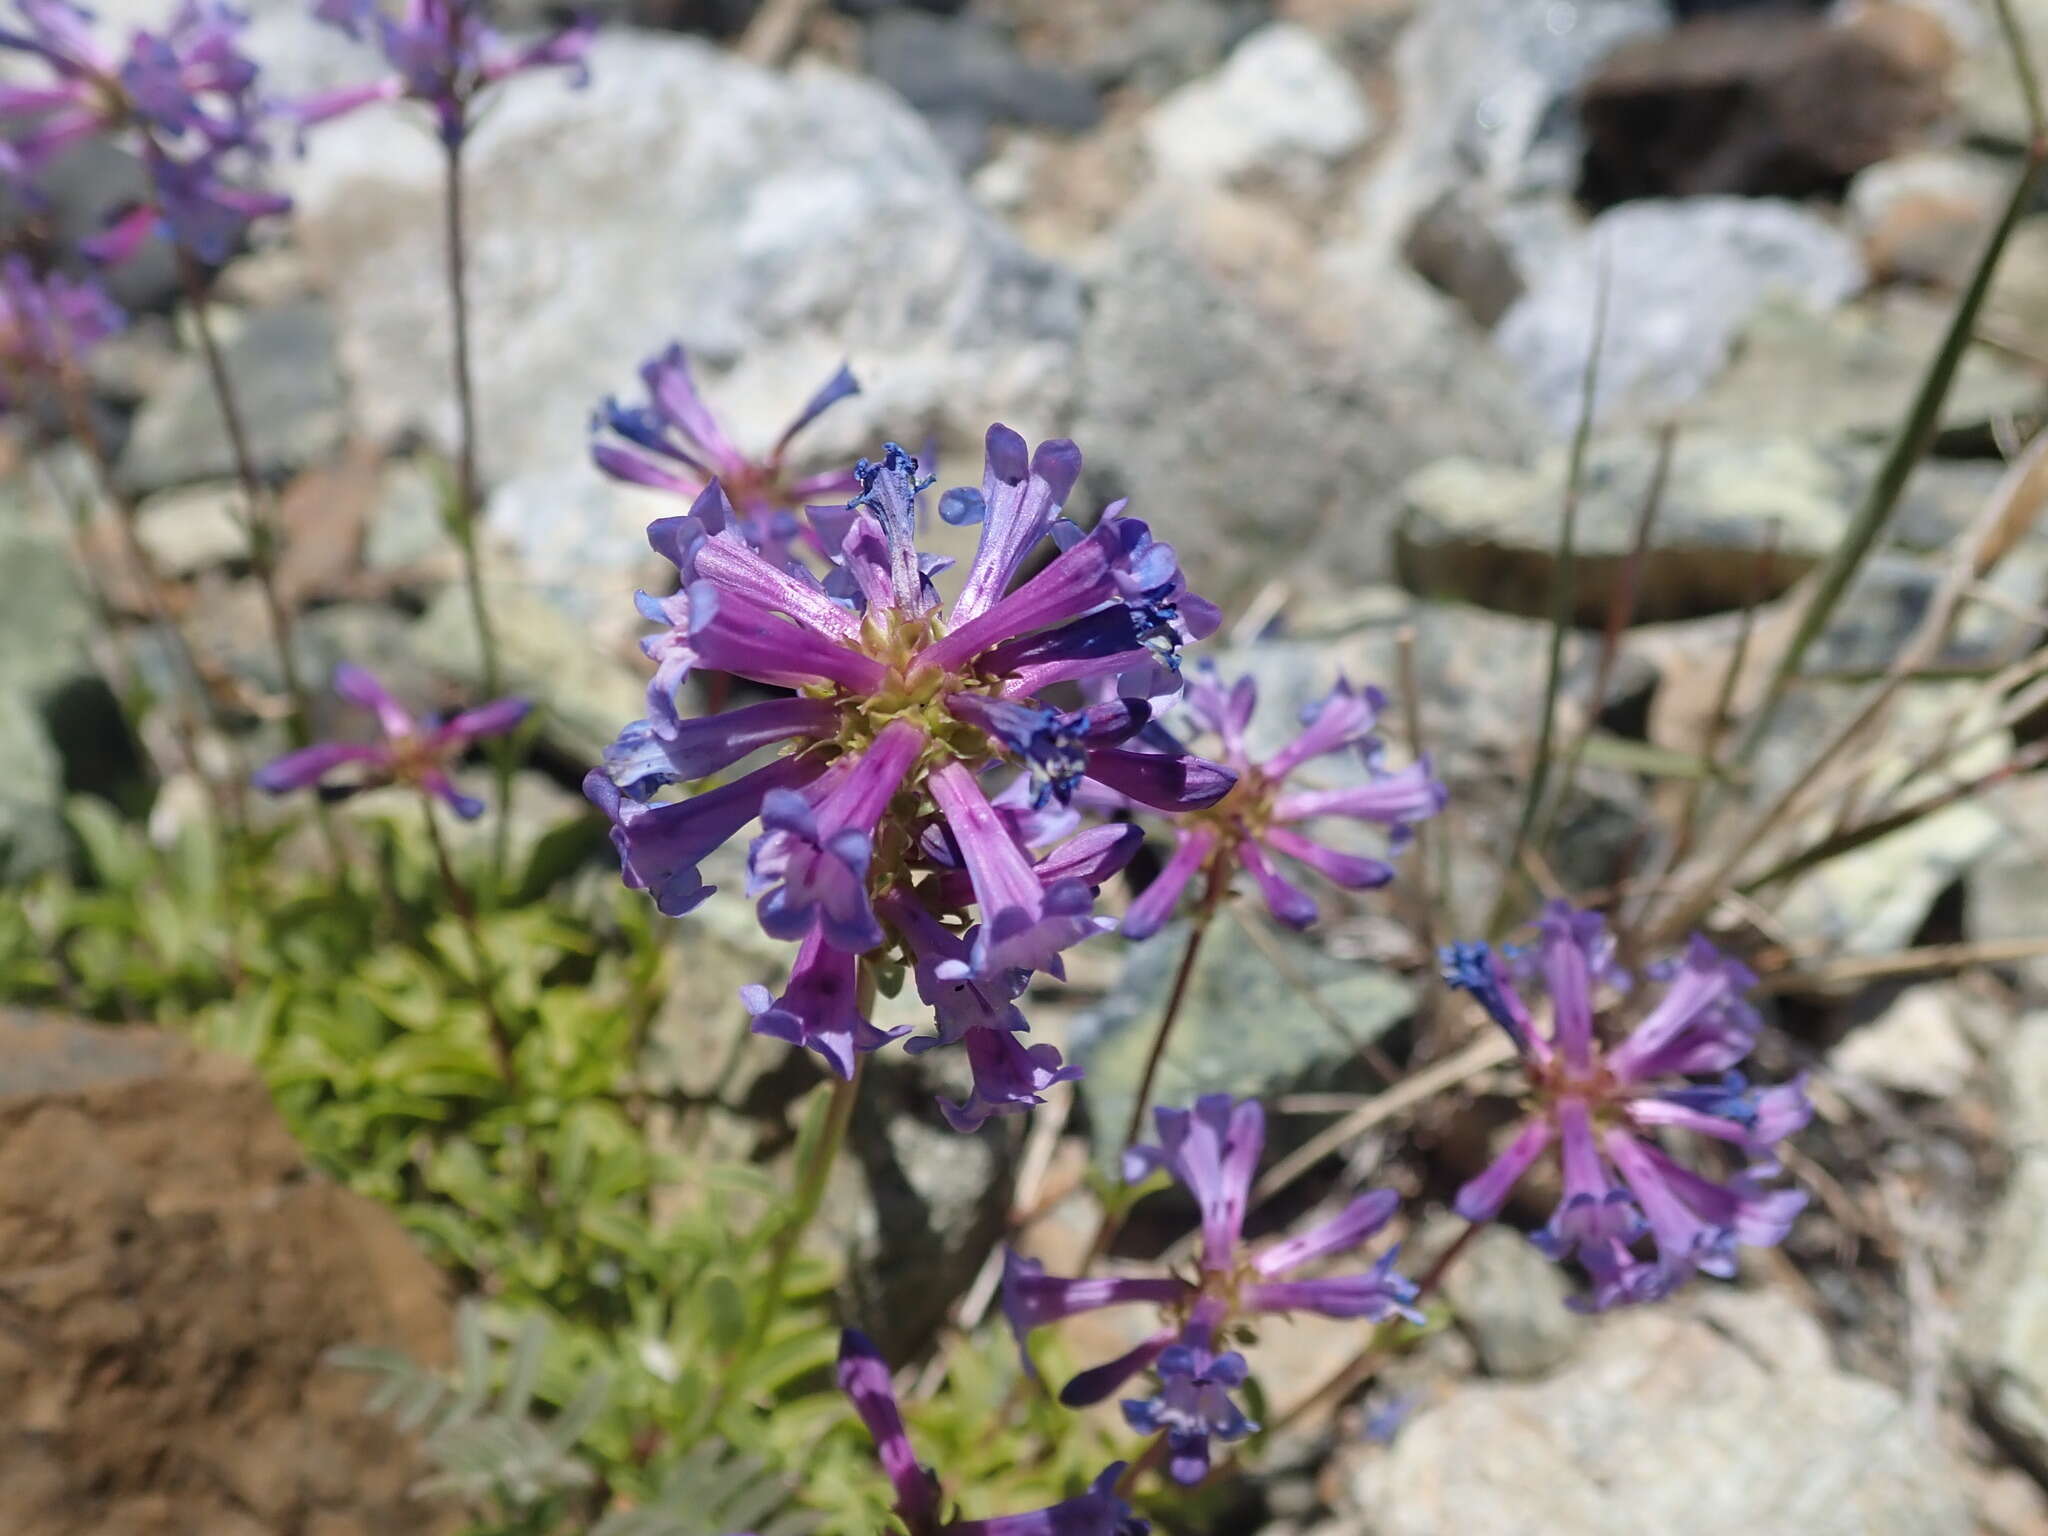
<point>1928,959</point>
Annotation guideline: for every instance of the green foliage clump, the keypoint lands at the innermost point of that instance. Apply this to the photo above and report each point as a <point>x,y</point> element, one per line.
<point>614,1361</point>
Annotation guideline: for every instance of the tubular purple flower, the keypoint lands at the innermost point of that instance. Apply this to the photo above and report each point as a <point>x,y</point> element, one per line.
<point>1213,1149</point>
<point>48,324</point>
<point>1602,1107</point>
<point>412,753</point>
<point>1154,905</point>
<point>819,1008</point>
<point>444,55</point>
<point>660,846</point>
<point>864,1378</point>
<point>810,864</point>
<point>1254,817</point>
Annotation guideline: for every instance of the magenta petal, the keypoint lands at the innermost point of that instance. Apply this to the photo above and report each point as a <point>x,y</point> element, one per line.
<point>308,765</point>
<point>1098,1382</point>
<point>492,719</point>
<point>864,1378</point>
<point>1345,718</point>
<point>1481,1198</point>
<point>1406,795</point>
<point>1155,904</point>
<point>360,687</point>
<point>819,1008</point>
<point>1166,783</point>
<point>1343,1232</point>
<point>1353,871</point>
<point>736,634</point>
<point>1288,902</point>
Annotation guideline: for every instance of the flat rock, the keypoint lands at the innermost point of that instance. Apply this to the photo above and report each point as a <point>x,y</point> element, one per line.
<point>175,1277</point>
<point>1488,533</point>
<point>45,624</point>
<point>2005,891</point>
<point>287,388</point>
<point>1719,1416</point>
<point>777,225</point>
<point>1682,277</point>
<point>1282,106</point>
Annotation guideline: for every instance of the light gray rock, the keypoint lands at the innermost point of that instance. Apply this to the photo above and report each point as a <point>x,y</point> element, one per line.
<point>1918,1045</point>
<point>1487,533</point>
<point>1852,375</point>
<point>1281,106</point>
<point>1264,404</point>
<point>1682,278</point>
<point>1485,88</point>
<point>1510,1301</point>
<point>1723,1416</point>
<point>281,365</point>
<point>777,225</point>
<point>2005,1323</point>
<point>194,528</point>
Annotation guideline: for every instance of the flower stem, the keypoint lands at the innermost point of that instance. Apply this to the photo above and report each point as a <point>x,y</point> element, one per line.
<point>455,245</point>
<point>812,1178</point>
<point>486,976</point>
<point>1183,976</point>
<point>260,532</point>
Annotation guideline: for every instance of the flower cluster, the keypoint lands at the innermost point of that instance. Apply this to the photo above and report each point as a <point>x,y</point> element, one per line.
<point>1262,816</point>
<point>413,752</point>
<point>673,443</point>
<point>1213,1150</point>
<point>1602,1105</point>
<point>878,833</point>
<point>183,98</point>
<point>47,324</point>
<point>864,1377</point>
<point>443,54</point>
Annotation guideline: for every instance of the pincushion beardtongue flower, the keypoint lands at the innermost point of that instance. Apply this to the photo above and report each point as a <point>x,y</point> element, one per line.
<point>1263,817</point>
<point>1602,1105</point>
<point>1212,1149</point>
<point>183,98</point>
<point>412,752</point>
<point>48,324</point>
<point>443,54</point>
<point>878,833</point>
<point>919,1502</point>
<point>673,443</point>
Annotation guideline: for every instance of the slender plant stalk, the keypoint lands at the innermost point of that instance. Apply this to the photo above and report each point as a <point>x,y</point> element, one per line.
<point>813,1178</point>
<point>1431,863</point>
<point>486,973</point>
<point>455,248</point>
<point>1205,917</point>
<point>1561,600</point>
<point>256,526</point>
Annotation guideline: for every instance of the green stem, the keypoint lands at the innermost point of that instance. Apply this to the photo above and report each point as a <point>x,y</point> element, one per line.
<point>812,1178</point>
<point>486,975</point>
<point>1205,916</point>
<point>467,497</point>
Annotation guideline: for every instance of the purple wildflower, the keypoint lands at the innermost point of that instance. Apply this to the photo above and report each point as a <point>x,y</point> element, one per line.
<point>183,98</point>
<point>412,752</point>
<point>443,54</point>
<point>1601,1106</point>
<point>879,831</point>
<point>1262,816</point>
<point>1213,1150</point>
<point>674,443</point>
<point>864,1377</point>
<point>47,324</point>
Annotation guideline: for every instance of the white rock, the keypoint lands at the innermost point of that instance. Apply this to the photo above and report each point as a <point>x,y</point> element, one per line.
<point>1281,104</point>
<point>776,225</point>
<point>1719,1416</point>
<point>1917,1045</point>
<point>2005,1321</point>
<point>1682,277</point>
